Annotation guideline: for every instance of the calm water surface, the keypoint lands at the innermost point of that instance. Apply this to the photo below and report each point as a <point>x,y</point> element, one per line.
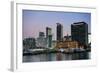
<point>56,57</point>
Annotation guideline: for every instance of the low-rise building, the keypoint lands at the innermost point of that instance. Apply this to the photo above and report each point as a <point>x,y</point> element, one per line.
<point>67,44</point>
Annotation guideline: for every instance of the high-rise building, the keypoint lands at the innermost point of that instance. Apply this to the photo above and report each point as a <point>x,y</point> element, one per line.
<point>48,31</point>
<point>79,32</point>
<point>41,40</point>
<point>49,37</point>
<point>59,32</point>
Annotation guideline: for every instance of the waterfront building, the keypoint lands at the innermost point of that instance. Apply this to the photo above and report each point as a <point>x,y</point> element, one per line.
<point>54,43</point>
<point>79,32</point>
<point>29,43</point>
<point>67,44</point>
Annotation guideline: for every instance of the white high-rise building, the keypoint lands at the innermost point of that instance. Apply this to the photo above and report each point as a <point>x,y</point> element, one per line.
<point>41,41</point>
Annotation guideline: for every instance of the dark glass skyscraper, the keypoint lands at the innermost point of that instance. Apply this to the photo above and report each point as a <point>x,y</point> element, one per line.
<point>59,32</point>
<point>79,32</point>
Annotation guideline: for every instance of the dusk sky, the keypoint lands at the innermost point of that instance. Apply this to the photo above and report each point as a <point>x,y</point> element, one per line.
<point>37,21</point>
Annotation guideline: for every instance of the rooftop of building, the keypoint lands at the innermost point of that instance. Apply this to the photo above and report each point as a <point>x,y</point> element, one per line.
<point>79,23</point>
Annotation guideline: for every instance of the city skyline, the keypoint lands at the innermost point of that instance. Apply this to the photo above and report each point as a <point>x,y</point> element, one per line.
<point>37,21</point>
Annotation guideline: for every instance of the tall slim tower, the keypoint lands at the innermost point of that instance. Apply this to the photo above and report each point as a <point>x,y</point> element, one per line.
<point>49,37</point>
<point>59,32</point>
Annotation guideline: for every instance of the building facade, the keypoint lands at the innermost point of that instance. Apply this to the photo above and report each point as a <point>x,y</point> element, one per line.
<point>79,32</point>
<point>41,41</point>
<point>49,37</point>
<point>67,44</point>
<point>29,43</point>
<point>59,32</point>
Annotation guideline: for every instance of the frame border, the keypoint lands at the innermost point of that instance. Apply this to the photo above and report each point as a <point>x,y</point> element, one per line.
<point>14,29</point>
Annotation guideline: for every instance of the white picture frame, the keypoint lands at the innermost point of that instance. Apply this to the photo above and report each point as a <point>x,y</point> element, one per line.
<point>16,49</point>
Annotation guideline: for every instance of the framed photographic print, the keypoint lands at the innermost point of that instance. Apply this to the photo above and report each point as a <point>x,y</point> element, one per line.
<point>52,36</point>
